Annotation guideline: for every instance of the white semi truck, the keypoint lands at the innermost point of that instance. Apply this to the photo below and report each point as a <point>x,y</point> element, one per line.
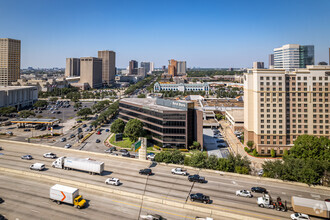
<point>311,206</point>
<point>65,194</point>
<point>84,164</point>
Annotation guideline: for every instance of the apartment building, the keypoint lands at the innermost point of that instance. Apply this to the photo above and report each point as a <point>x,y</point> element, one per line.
<point>10,60</point>
<point>280,105</point>
<point>169,123</point>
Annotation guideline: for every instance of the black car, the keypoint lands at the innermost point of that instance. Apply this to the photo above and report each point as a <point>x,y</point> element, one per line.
<point>27,129</point>
<point>123,151</point>
<point>79,130</point>
<point>127,154</point>
<point>72,136</point>
<point>79,121</point>
<point>258,189</point>
<point>146,171</point>
<point>97,141</point>
<point>196,178</point>
<point>84,126</point>
<point>199,197</point>
<point>1,200</point>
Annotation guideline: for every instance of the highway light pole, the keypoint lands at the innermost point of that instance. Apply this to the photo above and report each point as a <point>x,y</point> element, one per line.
<point>144,191</point>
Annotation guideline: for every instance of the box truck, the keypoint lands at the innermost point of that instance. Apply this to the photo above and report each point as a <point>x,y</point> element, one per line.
<point>311,207</point>
<point>84,164</point>
<point>65,194</point>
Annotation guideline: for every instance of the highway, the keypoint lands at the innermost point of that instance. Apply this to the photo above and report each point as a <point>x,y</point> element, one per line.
<point>220,187</point>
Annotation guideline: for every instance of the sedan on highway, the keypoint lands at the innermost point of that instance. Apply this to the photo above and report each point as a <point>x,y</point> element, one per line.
<point>112,181</point>
<point>146,171</point>
<point>50,155</point>
<point>196,178</point>
<point>63,139</point>
<point>26,157</point>
<point>243,193</point>
<point>67,146</point>
<point>299,216</point>
<point>258,189</point>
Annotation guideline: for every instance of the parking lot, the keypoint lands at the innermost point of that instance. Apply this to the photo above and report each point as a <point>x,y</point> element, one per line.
<point>214,143</point>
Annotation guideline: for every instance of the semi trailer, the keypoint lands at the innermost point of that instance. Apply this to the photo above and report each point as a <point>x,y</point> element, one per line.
<point>84,164</point>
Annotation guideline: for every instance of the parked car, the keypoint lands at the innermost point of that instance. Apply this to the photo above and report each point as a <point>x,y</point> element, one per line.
<point>9,133</point>
<point>151,156</point>
<point>49,155</point>
<point>63,139</point>
<point>43,129</point>
<point>299,216</point>
<point>98,141</point>
<point>127,154</point>
<point>84,125</point>
<point>146,171</point>
<point>261,172</point>
<point>244,193</point>
<point>112,181</point>
<point>87,130</point>
<point>200,197</point>
<point>98,133</point>
<point>26,157</point>
<point>67,146</point>
<point>258,189</point>
<point>27,129</point>
<point>107,130</point>
<point>37,166</point>
<point>196,178</point>
<point>72,136</point>
<point>79,130</point>
<point>123,150</point>
<point>79,121</point>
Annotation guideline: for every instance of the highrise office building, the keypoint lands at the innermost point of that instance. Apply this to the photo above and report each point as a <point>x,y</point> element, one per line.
<point>291,56</point>
<point>91,71</point>
<point>72,67</point>
<point>108,66</point>
<point>280,105</point>
<point>258,65</point>
<point>146,66</point>
<point>132,68</point>
<point>10,60</point>
<point>172,67</point>
<point>181,67</point>
<point>271,61</point>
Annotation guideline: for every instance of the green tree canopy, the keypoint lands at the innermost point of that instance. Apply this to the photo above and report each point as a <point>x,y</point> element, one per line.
<point>85,112</point>
<point>40,103</point>
<point>7,110</point>
<point>26,113</point>
<point>134,129</point>
<point>141,95</point>
<point>118,126</point>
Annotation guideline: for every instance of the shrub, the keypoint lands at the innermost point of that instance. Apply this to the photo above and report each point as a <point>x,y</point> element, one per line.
<point>272,153</point>
<point>247,149</point>
<point>255,152</point>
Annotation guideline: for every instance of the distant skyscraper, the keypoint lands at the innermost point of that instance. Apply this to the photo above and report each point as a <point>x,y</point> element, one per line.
<point>146,66</point>
<point>91,71</point>
<point>142,72</point>
<point>72,67</point>
<point>10,60</point>
<point>164,68</point>
<point>108,66</point>
<point>258,65</point>
<point>133,65</point>
<point>172,67</point>
<point>291,56</point>
<point>151,67</point>
<point>181,67</point>
<point>271,61</point>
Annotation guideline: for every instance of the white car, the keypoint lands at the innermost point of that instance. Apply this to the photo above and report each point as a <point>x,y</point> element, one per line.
<point>50,155</point>
<point>112,181</point>
<point>261,172</point>
<point>67,146</point>
<point>243,193</point>
<point>179,171</point>
<point>151,156</point>
<point>299,216</point>
<point>37,166</point>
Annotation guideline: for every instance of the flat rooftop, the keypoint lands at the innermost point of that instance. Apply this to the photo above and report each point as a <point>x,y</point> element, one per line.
<point>237,114</point>
<point>35,120</point>
<point>151,104</point>
<point>7,88</point>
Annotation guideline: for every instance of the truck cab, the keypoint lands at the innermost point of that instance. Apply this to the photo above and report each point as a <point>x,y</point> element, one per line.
<point>79,202</point>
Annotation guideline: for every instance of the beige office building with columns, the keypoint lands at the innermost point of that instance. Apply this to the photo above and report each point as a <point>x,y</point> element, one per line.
<point>10,61</point>
<point>108,66</point>
<point>280,105</point>
<point>91,71</point>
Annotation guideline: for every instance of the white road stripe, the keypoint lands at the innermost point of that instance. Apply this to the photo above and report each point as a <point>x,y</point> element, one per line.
<point>35,211</point>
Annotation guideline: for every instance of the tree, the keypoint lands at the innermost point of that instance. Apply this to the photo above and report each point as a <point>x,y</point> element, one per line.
<point>323,63</point>
<point>286,153</point>
<point>26,113</point>
<point>141,96</point>
<point>53,99</point>
<point>198,159</point>
<point>255,152</point>
<point>250,144</point>
<point>7,110</point>
<point>77,105</point>
<point>40,103</point>
<point>212,162</point>
<point>118,126</point>
<point>85,112</point>
<point>272,153</point>
<point>134,129</point>
<point>196,145</point>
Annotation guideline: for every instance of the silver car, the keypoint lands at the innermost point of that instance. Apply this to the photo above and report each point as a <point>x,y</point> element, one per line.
<point>243,193</point>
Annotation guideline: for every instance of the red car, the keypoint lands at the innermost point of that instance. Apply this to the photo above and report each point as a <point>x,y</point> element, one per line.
<point>99,132</point>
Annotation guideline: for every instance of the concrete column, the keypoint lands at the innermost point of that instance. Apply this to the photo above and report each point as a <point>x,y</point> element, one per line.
<point>143,149</point>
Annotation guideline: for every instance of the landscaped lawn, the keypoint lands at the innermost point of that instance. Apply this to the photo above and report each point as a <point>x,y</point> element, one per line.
<point>125,143</point>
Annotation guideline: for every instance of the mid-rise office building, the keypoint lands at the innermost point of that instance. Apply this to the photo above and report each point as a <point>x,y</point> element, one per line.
<point>148,66</point>
<point>181,67</point>
<point>169,123</point>
<point>108,66</point>
<point>18,96</point>
<point>142,72</point>
<point>10,60</point>
<point>91,71</point>
<point>271,61</point>
<point>291,56</point>
<point>280,105</point>
<point>258,65</point>
<point>194,87</point>
<point>133,67</point>
<point>172,67</point>
<point>72,68</point>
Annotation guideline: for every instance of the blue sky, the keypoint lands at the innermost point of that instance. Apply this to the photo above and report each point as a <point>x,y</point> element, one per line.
<point>204,33</point>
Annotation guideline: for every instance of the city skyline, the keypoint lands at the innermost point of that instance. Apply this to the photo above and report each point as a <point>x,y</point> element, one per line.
<point>213,35</point>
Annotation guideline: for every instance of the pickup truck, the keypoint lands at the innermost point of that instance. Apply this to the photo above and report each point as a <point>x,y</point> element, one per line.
<point>179,171</point>
<point>200,198</point>
<point>196,178</point>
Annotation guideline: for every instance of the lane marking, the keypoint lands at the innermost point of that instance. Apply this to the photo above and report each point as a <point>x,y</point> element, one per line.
<point>35,211</point>
<point>315,195</point>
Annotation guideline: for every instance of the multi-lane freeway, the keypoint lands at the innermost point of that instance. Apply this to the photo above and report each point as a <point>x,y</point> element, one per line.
<point>220,187</point>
